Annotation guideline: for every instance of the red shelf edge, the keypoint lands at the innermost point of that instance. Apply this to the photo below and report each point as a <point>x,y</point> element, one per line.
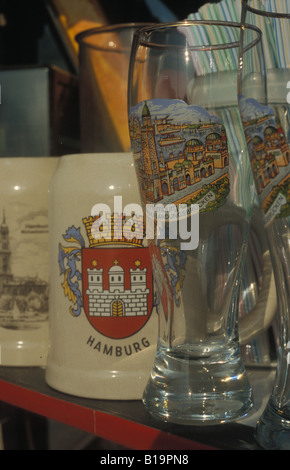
<point>141,437</point>
<point>50,407</point>
<point>114,428</point>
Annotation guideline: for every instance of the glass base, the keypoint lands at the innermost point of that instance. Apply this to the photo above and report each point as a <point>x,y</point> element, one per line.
<point>273,430</point>
<point>191,389</point>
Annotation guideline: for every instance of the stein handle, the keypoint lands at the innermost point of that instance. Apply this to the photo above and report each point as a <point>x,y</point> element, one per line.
<point>259,319</point>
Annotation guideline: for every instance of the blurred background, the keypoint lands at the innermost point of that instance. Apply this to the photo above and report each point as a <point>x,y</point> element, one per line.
<point>39,57</point>
<point>33,32</point>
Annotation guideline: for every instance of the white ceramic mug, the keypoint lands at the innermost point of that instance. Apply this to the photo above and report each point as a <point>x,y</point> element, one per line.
<point>103,325</point>
<point>24,267</point>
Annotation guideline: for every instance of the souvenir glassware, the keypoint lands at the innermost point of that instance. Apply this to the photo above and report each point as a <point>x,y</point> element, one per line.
<point>264,106</point>
<point>104,54</point>
<point>190,155</point>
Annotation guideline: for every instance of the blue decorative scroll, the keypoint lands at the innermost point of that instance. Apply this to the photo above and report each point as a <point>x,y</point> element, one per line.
<point>68,258</point>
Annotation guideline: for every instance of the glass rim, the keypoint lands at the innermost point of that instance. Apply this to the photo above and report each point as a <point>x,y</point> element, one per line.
<point>107,28</point>
<point>266,14</point>
<point>209,47</point>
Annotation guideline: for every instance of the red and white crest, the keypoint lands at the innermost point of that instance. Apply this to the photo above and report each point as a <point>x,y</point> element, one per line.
<point>117,289</point>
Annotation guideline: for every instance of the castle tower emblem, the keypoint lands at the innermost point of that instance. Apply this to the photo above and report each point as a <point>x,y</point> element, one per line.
<point>117,290</point>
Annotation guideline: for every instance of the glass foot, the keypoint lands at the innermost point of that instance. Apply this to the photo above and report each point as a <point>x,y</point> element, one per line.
<point>191,390</point>
<point>273,430</point>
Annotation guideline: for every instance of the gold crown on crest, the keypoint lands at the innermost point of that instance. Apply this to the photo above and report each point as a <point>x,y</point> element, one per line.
<point>109,227</point>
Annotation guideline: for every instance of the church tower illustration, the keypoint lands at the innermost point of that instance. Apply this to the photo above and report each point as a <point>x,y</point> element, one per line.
<point>5,254</point>
<point>152,182</point>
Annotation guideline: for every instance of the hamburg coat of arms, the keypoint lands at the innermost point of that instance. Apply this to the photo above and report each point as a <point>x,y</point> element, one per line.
<point>111,281</point>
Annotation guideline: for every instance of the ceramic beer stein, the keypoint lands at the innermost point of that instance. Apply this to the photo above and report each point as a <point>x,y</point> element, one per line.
<point>103,328</point>
<point>24,267</point>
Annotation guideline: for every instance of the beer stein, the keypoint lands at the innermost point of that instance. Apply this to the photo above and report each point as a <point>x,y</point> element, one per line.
<point>24,267</point>
<point>264,107</point>
<point>102,321</point>
<point>197,191</point>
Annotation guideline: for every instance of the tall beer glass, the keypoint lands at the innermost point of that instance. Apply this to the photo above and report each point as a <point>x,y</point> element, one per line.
<point>265,110</point>
<point>190,154</point>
